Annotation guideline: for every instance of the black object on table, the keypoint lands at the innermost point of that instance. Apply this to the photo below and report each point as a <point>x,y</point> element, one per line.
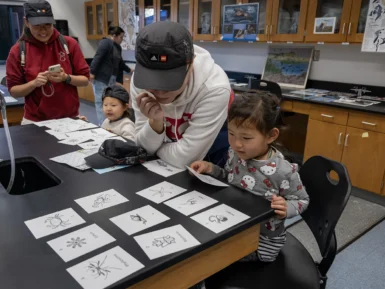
<point>26,262</point>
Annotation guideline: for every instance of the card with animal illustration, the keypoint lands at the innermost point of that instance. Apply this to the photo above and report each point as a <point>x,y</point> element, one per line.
<point>161,192</point>
<point>220,218</point>
<point>105,269</point>
<point>207,179</point>
<point>75,140</point>
<point>80,242</point>
<point>166,241</point>
<point>52,223</point>
<point>139,219</point>
<point>162,168</point>
<point>190,203</point>
<point>101,201</point>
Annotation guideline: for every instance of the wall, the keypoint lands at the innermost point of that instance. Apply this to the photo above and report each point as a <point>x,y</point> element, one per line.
<point>73,11</point>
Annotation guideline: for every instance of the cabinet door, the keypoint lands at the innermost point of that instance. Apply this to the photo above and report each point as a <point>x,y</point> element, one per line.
<point>185,9</point>
<point>147,12</point>
<point>166,10</point>
<point>288,20</point>
<point>204,19</point>
<point>265,28</point>
<point>90,20</point>
<point>324,139</point>
<point>357,22</point>
<point>100,28</point>
<point>111,14</point>
<point>364,155</point>
<point>338,9</point>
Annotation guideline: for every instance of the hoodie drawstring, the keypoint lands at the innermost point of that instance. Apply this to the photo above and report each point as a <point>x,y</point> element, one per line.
<point>176,125</point>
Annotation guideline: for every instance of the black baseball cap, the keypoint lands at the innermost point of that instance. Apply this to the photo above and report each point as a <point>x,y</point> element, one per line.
<point>163,52</point>
<point>38,12</point>
<point>116,152</point>
<point>118,92</point>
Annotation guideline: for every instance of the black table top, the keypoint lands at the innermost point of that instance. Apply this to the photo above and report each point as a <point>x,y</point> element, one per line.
<point>377,108</point>
<point>20,100</point>
<point>26,262</point>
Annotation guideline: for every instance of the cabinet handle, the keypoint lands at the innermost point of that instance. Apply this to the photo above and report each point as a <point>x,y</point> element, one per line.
<point>339,138</point>
<point>326,115</point>
<point>346,140</point>
<point>343,29</point>
<point>215,30</point>
<point>350,28</point>
<point>369,123</point>
<point>271,29</point>
<point>267,30</point>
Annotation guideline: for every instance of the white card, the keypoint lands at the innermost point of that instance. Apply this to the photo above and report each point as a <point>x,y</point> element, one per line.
<point>58,135</point>
<point>161,192</point>
<point>105,269</point>
<point>75,159</point>
<point>97,143</point>
<point>139,219</point>
<point>220,218</point>
<point>190,203</point>
<point>162,168</point>
<point>207,179</point>
<point>55,222</point>
<point>100,133</point>
<point>166,241</point>
<point>100,201</point>
<point>80,242</point>
<point>73,141</point>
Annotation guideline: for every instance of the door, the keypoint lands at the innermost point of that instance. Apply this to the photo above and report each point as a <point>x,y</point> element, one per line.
<point>99,18</point>
<point>329,9</point>
<point>147,12</point>
<point>90,20</point>
<point>324,139</point>
<point>357,22</point>
<point>204,19</point>
<point>111,14</point>
<point>364,156</point>
<point>185,13</point>
<point>288,20</point>
<point>265,28</point>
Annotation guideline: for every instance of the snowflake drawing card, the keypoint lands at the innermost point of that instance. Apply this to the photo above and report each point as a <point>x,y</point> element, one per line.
<point>105,269</point>
<point>52,223</point>
<point>101,201</point>
<point>190,203</point>
<point>80,242</point>
<point>139,219</point>
<point>220,218</point>
<point>161,192</point>
<point>162,168</point>
<point>166,241</point>
<point>207,179</point>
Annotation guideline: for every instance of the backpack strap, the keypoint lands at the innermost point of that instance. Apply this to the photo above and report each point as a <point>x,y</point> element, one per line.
<point>64,43</point>
<point>22,52</point>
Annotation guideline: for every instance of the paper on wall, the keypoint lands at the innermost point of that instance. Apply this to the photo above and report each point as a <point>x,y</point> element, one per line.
<point>374,36</point>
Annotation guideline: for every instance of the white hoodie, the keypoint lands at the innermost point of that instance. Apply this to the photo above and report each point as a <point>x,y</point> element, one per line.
<point>198,114</point>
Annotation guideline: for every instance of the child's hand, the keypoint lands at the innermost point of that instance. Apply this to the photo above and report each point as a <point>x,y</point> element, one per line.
<point>280,206</point>
<point>82,117</point>
<point>202,167</point>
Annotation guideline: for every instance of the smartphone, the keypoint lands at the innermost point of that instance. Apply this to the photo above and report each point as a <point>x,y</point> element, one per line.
<point>54,68</point>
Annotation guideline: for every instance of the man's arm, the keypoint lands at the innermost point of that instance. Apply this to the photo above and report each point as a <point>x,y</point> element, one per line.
<point>124,66</point>
<point>204,126</point>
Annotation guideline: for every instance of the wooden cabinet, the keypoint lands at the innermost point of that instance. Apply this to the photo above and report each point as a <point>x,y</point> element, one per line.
<point>111,15</point>
<point>357,22</point>
<point>324,139</point>
<point>364,156</point>
<point>184,13</point>
<point>100,15</point>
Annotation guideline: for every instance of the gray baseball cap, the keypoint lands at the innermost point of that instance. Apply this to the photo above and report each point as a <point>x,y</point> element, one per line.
<point>164,51</point>
<point>38,12</point>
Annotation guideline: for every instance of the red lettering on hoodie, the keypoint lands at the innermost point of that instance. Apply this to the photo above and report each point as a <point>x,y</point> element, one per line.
<point>39,56</point>
<point>181,124</point>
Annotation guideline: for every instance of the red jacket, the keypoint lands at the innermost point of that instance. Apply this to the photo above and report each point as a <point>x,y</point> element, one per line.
<point>39,56</point>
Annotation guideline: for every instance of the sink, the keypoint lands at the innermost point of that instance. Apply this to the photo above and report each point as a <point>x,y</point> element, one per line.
<point>30,176</point>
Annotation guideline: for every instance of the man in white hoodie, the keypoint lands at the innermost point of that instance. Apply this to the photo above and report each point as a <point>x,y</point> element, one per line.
<point>180,96</point>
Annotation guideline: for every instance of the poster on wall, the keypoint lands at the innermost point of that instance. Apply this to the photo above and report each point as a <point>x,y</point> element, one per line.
<point>240,22</point>
<point>129,22</point>
<point>374,36</point>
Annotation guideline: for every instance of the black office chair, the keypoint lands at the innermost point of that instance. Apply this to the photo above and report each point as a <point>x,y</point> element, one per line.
<point>266,85</point>
<point>294,267</point>
<point>4,81</point>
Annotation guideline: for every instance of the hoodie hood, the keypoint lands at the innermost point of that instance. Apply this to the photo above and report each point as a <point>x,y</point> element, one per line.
<point>36,42</point>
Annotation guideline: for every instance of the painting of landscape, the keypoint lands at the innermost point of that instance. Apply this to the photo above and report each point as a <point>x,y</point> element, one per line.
<point>288,66</point>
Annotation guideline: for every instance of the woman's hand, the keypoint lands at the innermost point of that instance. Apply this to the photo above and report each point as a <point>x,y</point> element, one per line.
<point>82,117</point>
<point>202,167</point>
<point>280,206</point>
<point>57,76</point>
<point>41,79</point>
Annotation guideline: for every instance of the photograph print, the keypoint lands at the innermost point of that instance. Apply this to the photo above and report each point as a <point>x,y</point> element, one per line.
<point>325,25</point>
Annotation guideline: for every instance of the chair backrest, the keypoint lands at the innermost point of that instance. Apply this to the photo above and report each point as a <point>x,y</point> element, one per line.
<point>266,85</point>
<point>327,198</point>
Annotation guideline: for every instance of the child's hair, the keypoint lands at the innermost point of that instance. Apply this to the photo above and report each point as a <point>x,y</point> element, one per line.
<point>108,92</point>
<point>115,30</point>
<point>259,108</point>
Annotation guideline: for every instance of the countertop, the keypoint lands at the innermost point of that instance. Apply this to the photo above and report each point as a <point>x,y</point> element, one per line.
<point>20,100</point>
<point>27,262</point>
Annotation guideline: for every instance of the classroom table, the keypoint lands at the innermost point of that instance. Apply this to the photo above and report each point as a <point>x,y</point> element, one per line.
<point>26,262</point>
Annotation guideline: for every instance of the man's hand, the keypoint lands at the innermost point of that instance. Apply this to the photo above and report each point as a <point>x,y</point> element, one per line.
<point>92,77</point>
<point>150,107</point>
<point>57,76</point>
<point>41,79</point>
<point>280,206</point>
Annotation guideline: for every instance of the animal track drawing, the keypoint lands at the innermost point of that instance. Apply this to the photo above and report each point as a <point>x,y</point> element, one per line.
<point>217,219</point>
<point>138,218</point>
<point>98,269</point>
<point>56,221</point>
<point>163,241</point>
<point>76,242</point>
<point>101,200</point>
<point>163,164</point>
<point>191,201</point>
<point>160,191</point>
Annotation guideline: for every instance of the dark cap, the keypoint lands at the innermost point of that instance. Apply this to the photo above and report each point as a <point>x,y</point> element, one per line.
<point>118,92</point>
<point>116,152</point>
<point>38,12</point>
<point>163,52</point>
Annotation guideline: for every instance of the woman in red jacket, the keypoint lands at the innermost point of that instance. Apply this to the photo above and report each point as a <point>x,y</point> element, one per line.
<point>48,95</point>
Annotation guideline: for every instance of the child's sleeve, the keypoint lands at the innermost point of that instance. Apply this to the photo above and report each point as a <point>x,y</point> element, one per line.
<point>128,131</point>
<point>218,172</point>
<point>296,196</point>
